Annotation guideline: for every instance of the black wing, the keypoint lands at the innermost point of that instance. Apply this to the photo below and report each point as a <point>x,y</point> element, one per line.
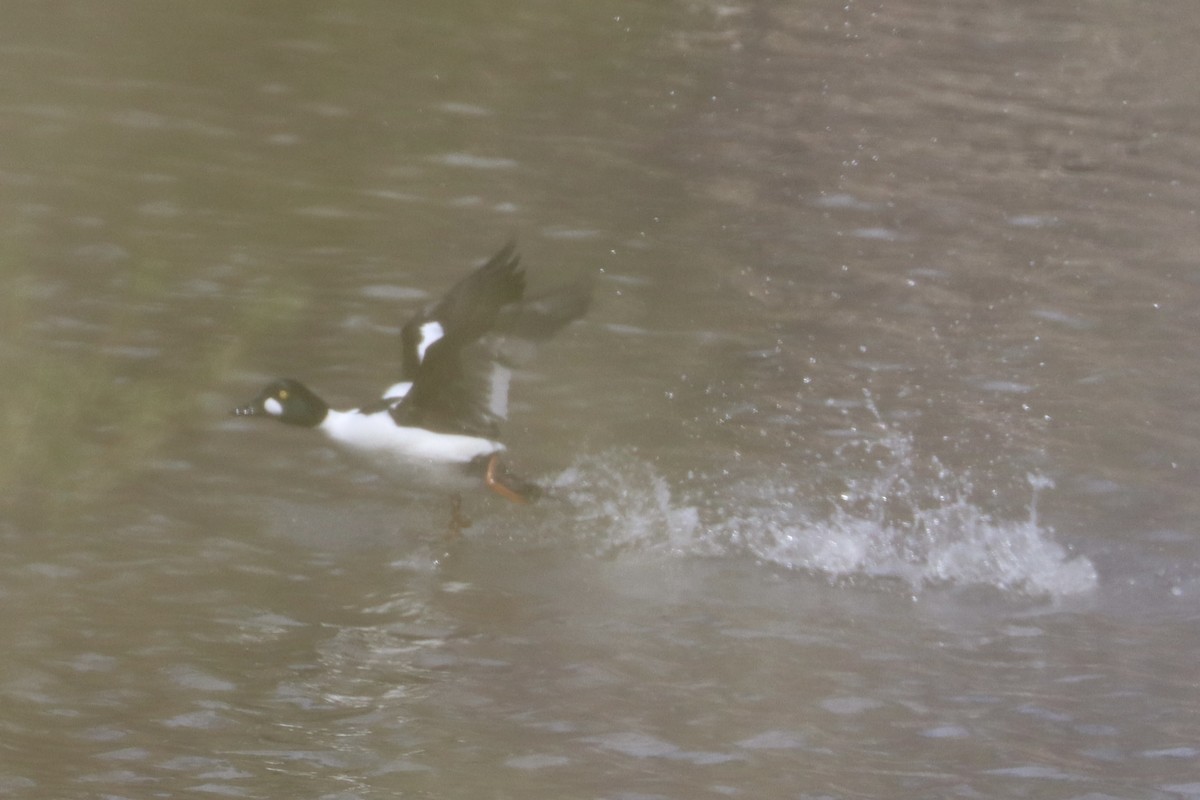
<point>538,318</point>
<point>449,394</point>
<point>468,310</point>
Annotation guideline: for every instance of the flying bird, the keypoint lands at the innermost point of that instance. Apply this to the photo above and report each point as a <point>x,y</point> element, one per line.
<point>440,423</point>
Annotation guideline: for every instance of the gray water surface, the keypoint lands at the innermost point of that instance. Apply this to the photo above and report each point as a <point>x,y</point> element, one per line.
<point>872,469</point>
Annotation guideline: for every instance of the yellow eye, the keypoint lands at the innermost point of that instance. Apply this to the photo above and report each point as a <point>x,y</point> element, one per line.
<point>283,393</point>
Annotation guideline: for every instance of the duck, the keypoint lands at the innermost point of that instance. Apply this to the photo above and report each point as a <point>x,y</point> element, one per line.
<point>440,423</point>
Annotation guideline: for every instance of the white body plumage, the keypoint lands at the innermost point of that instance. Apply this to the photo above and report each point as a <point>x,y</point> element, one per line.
<point>377,435</point>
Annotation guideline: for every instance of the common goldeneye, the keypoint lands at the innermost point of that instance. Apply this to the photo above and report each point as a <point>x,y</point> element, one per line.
<point>442,420</point>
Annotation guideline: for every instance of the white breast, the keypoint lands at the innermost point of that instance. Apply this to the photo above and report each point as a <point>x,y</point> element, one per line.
<point>379,436</point>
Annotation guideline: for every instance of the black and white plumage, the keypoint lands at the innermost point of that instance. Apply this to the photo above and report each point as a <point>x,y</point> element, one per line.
<point>456,361</point>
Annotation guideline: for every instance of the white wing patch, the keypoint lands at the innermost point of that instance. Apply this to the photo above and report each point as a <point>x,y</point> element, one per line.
<point>498,396</point>
<point>397,391</point>
<point>430,333</point>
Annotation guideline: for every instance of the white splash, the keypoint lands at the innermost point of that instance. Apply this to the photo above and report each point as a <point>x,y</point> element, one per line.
<point>924,531</point>
<point>621,502</point>
<point>899,520</point>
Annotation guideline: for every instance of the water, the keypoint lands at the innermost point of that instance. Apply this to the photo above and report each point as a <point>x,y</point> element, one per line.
<point>872,470</point>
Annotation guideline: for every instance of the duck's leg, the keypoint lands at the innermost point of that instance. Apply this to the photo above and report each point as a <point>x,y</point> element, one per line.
<point>458,522</point>
<point>495,479</point>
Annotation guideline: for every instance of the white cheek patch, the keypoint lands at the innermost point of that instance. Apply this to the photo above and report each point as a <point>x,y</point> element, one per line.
<point>273,407</point>
<point>431,332</point>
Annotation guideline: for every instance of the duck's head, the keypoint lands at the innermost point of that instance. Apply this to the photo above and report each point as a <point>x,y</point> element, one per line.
<point>287,401</point>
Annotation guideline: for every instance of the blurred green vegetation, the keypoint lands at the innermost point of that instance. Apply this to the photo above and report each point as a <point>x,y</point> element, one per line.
<point>79,422</point>
<point>69,431</point>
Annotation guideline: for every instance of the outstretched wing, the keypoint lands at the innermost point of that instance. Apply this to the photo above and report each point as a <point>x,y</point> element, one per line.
<point>537,318</point>
<point>450,390</point>
<point>467,311</point>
